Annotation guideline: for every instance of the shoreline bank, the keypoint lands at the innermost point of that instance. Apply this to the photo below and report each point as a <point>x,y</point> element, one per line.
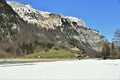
<point>32,60</point>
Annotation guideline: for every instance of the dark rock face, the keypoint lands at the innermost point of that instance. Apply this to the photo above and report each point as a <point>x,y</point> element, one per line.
<point>35,31</point>
<point>12,31</point>
<point>3,1</point>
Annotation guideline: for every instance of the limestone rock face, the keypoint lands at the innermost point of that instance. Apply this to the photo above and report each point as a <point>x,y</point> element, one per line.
<point>74,28</point>
<point>24,30</point>
<point>43,19</point>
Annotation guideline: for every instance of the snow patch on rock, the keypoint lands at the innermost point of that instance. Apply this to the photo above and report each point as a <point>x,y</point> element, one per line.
<point>33,16</point>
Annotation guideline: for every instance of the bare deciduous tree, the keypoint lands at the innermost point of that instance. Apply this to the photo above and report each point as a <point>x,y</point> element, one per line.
<point>105,50</point>
<point>116,41</point>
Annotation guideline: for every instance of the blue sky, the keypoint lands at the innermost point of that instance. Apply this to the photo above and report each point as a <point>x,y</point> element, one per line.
<point>102,15</point>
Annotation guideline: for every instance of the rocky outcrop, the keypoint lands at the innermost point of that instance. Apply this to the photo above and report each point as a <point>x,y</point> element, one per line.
<point>28,30</point>
<point>13,31</point>
<point>74,27</point>
<point>2,1</point>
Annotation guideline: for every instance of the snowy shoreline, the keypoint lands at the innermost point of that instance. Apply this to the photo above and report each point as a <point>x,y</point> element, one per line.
<point>91,69</point>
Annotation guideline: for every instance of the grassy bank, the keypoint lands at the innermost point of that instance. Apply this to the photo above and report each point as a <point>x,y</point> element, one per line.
<point>52,54</point>
<point>31,60</point>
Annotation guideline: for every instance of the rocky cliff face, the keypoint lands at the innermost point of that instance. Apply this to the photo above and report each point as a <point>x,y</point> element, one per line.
<point>13,31</point>
<point>28,30</point>
<point>53,21</point>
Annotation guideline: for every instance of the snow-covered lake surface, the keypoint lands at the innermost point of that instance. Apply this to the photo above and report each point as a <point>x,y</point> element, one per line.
<point>91,69</point>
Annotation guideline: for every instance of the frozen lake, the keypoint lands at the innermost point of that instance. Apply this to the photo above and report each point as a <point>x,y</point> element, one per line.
<point>92,69</point>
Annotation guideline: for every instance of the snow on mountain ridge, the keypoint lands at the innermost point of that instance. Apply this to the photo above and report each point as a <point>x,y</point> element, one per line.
<point>40,18</point>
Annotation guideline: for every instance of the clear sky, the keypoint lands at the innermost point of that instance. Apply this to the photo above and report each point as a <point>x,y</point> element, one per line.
<point>102,15</point>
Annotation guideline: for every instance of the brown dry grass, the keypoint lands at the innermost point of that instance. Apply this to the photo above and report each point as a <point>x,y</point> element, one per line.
<point>32,60</point>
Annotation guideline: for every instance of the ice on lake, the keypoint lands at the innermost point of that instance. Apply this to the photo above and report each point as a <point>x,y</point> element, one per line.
<point>91,69</point>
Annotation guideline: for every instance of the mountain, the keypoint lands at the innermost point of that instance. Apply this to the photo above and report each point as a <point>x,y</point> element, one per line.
<point>14,32</point>
<point>25,30</point>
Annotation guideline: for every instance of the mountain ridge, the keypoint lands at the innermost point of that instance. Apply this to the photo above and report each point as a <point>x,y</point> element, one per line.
<point>29,30</point>
<point>51,20</point>
<point>29,9</point>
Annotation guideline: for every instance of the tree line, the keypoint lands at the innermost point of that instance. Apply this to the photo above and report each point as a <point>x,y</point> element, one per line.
<point>112,50</point>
